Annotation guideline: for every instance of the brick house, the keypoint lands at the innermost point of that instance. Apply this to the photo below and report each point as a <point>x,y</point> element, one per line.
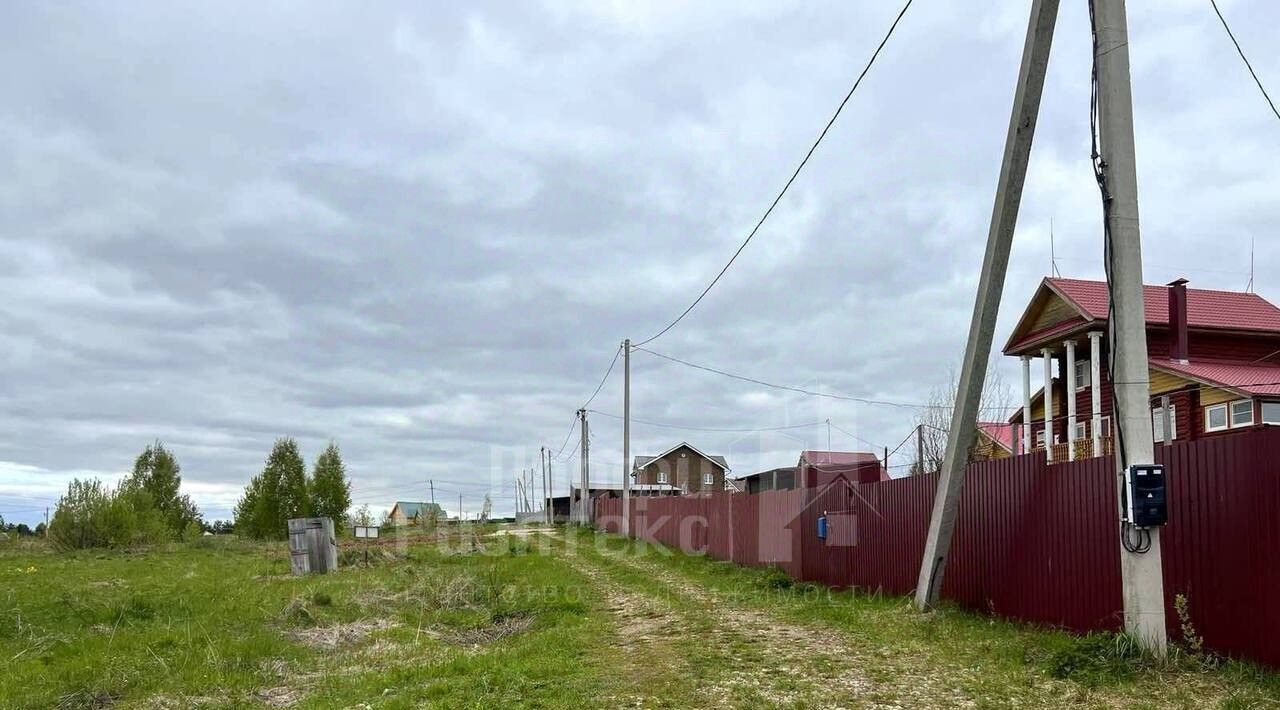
<point>682,466</point>
<point>1214,354</point>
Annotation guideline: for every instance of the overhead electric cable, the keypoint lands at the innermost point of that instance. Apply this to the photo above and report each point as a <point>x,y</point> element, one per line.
<point>792,179</point>
<point>1247,65</point>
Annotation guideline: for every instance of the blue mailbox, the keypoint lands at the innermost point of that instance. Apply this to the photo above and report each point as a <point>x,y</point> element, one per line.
<point>822,526</point>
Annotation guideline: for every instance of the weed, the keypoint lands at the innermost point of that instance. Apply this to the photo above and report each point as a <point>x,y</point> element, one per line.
<point>776,578</point>
<point>1099,658</point>
<point>321,598</point>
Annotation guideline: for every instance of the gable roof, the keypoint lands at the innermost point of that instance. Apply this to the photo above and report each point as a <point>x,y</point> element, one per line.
<point>410,509</point>
<point>642,461</point>
<point>999,432</point>
<point>1089,301</point>
<point>820,458</point>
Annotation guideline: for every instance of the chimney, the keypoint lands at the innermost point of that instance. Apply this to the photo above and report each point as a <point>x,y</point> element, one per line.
<point>1178,349</point>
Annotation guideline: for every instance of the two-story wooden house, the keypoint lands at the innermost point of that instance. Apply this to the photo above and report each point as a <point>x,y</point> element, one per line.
<point>684,467</point>
<point>1214,356</point>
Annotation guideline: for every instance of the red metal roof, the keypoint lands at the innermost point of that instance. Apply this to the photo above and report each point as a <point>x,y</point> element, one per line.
<point>1253,378</point>
<point>837,457</point>
<point>1000,432</point>
<point>1232,310</point>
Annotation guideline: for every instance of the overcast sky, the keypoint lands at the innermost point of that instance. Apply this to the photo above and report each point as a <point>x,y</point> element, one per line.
<point>422,229</point>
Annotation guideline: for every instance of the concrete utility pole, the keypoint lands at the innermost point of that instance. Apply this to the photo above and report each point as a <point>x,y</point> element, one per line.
<point>1140,574</point>
<point>920,449</point>
<point>1004,217</point>
<point>433,491</point>
<point>584,489</point>
<point>460,508</point>
<point>542,459</point>
<point>626,437</point>
<point>551,489</point>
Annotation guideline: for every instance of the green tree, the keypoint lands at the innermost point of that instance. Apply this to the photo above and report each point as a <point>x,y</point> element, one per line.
<point>248,508</point>
<point>157,473</point>
<point>329,489</point>
<point>281,493</point>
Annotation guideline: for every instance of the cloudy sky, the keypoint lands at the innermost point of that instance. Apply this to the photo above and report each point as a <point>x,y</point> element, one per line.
<point>421,229</point>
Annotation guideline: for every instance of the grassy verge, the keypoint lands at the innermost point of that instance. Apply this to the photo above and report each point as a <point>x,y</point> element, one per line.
<point>224,625</point>
<point>993,662</point>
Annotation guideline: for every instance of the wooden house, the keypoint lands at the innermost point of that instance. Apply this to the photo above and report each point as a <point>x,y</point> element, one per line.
<point>1214,356</point>
<point>682,466</point>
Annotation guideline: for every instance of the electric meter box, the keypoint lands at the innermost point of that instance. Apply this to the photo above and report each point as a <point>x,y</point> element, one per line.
<point>1145,505</point>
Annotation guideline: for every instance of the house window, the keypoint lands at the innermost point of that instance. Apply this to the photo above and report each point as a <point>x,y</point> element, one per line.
<point>1215,417</point>
<point>662,477</point>
<point>1082,374</point>
<point>1241,412</point>
<point>1271,412</point>
<point>1040,439</point>
<point>1157,423</point>
<point>708,479</point>
<point>1082,430</point>
<point>1106,426</point>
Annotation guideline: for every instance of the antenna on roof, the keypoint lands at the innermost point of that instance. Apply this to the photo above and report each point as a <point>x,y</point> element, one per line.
<point>1249,288</point>
<point>1053,257</point>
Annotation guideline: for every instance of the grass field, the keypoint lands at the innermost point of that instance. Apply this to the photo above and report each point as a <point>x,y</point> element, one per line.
<point>562,620</point>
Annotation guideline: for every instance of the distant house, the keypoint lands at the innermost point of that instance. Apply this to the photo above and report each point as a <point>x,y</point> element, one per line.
<point>995,441</point>
<point>816,469</point>
<point>775,479</point>
<point>684,467</point>
<point>407,512</point>
<point>1214,354</point>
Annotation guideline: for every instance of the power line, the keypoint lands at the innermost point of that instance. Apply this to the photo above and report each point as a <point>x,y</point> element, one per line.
<point>574,425</point>
<point>790,180</point>
<point>801,390</point>
<point>855,436</point>
<point>1247,65</point>
<point>694,428</point>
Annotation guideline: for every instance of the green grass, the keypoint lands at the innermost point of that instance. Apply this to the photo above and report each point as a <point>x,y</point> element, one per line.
<point>581,621</point>
<point>994,662</point>
<point>224,625</point>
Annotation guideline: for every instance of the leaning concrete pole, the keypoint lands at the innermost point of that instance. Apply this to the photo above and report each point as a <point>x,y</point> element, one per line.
<point>1004,217</point>
<point>1140,573</point>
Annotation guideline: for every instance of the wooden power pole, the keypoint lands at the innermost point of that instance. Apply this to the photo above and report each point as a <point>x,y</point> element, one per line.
<point>995,262</point>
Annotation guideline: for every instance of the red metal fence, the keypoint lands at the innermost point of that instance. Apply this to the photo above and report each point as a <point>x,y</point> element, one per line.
<point>1033,541</point>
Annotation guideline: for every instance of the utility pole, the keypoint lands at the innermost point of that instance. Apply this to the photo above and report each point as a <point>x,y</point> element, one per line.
<point>542,458</point>
<point>986,306</point>
<point>1140,573</point>
<point>584,492</point>
<point>920,449</point>
<point>551,490</point>
<point>626,437</point>
<point>433,492</point>
<point>459,508</point>
<point>828,435</point>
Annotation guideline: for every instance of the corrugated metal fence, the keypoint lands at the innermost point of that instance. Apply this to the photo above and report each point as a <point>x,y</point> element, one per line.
<point>1033,541</point>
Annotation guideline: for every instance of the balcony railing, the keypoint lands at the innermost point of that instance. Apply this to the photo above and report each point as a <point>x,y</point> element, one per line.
<point>1084,449</point>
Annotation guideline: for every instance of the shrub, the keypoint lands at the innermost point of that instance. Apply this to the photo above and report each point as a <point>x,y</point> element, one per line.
<point>1099,658</point>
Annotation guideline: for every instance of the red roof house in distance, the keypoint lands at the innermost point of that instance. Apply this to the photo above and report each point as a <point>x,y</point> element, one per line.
<point>1214,354</point>
<point>817,469</point>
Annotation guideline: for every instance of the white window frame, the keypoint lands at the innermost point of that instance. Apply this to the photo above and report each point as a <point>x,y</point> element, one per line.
<point>1264,413</point>
<point>1157,422</point>
<point>1082,430</point>
<point>662,477</point>
<point>1208,416</point>
<point>1083,372</point>
<point>1232,413</point>
<point>1039,439</point>
<point>708,479</point>
<point>1106,425</point>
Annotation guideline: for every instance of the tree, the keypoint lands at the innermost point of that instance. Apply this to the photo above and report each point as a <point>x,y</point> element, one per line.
<point>295,499</point>
<point>156,473</point>
<point>330,491</point>
<point>276,495</point>
<point>363,516</point>
<point>248,508</point>
<point>935,416</point>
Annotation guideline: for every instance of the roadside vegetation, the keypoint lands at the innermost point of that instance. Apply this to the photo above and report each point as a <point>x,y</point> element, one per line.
<point>496,616</point>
